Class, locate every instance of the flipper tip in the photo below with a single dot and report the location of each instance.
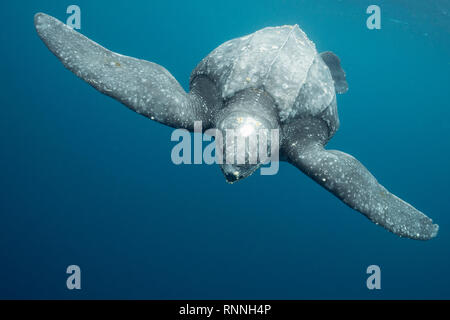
(39, 17)
(434, 231)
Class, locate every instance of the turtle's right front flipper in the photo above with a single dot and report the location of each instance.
(350, 181)
(143, 86)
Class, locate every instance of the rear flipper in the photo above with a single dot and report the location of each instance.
(337, 73)
(350, 181)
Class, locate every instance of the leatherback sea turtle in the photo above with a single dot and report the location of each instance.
(272, 79)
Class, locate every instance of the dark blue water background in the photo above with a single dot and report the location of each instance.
(86, 181)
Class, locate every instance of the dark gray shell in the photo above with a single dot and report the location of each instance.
(284, 62)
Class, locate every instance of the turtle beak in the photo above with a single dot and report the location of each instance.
(234, 173)
(231, 178)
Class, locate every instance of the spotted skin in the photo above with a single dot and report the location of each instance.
(271, 79)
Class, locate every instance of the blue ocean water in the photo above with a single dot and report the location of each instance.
(85, 181)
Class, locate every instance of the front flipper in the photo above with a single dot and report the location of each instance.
(337, 73)
(143, 86)
(350, 181)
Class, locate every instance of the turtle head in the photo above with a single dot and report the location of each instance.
(249, 127)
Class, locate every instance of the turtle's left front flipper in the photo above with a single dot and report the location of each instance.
(351, 182)
(143, 86)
